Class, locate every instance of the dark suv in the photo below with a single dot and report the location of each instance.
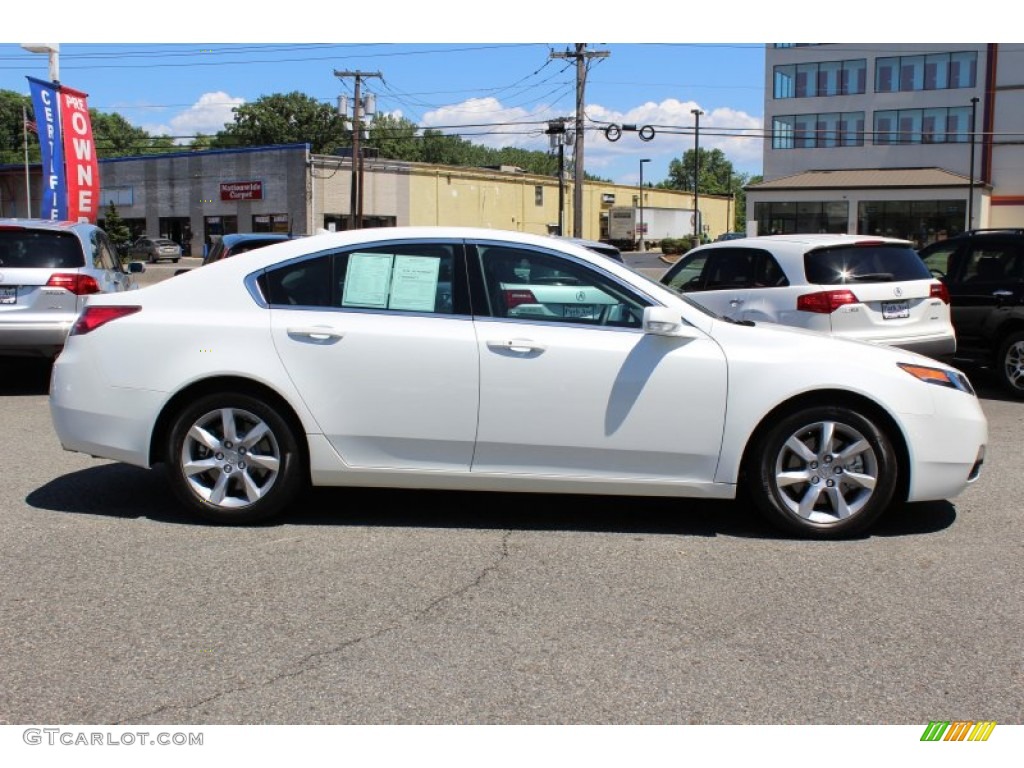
(984, 272)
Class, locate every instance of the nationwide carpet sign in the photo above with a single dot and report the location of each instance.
(71, 178)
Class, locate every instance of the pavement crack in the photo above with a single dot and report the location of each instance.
(314, 659)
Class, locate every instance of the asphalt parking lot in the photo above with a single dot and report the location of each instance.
(396, 607)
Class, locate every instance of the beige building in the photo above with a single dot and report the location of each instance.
(196, 197)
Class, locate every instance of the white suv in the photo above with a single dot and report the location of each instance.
(48, 269)
(873, 289)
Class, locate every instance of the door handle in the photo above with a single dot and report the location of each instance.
(516, 345)
(320, 333)
(735, 302)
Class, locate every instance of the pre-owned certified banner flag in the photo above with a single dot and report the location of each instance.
(45, 98)
(83, 174)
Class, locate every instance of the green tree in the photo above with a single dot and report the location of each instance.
(119, 233)
(116, 137)
(395, 138)
(716, 173)
(286, 118)
(13, 107)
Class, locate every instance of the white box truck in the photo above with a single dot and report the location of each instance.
(658, 224)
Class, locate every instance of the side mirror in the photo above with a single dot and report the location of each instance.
(136, 267)
(665, 321)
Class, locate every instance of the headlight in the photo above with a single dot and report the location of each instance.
(944, 377)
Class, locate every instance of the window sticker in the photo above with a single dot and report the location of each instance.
(414, 283)
(367, 280)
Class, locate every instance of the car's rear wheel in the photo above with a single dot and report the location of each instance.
(234, 459)
(1010, 364)
(824, 472)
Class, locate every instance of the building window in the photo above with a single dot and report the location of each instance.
(117, 196)
(783, 218)
(921, 221)
(941, 125)
(821, 131)
(270, 222)
(538, 195)
(936, 71)
(827, 78)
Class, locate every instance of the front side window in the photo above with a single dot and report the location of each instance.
(103, 253)
(526, 284)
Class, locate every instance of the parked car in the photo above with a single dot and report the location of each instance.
(234, 244)
(983, 271)
(853, 286)
(434, 357)
(605, 249)
(47, 271)
(154, 249)
(731, 236)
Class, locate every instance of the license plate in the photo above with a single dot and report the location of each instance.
(8, 294)
(894, 310)
(579, 311)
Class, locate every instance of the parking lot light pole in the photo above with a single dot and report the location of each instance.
(696, 174)
(643, 233)
(53, 51)
(970, 187)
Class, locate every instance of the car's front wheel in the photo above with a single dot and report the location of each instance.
(234, 459)
(1010, 364)
(824, 472)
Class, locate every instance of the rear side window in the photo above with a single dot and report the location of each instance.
(401, 277)
(864, 264)
(27, 249)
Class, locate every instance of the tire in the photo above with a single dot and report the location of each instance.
(804, 483)
(217, 477)
(1010, 364)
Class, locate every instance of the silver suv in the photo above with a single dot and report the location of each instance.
(861, 287)
(48, 269)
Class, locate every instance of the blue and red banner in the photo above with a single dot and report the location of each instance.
(46, 103)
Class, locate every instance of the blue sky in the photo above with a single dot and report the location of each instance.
(164, 75)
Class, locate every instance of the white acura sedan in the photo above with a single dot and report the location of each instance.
(452, 358)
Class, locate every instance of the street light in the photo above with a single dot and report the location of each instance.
(643, 247)
(53, 50)
(970, 193)
(696, 173)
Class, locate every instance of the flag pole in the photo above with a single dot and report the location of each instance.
(28, 191)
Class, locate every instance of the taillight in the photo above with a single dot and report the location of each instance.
(78, 284)
(825, 302)
(93, 317)
(940, 291)
(514, 298)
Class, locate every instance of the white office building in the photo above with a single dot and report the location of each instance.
(911, 140)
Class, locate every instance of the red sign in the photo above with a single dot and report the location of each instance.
(241, 190)
(83, 174)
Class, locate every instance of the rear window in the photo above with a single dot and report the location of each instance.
(27, 249)
(864, 264)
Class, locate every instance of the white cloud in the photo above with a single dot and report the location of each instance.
(208, 115)
(738, 134)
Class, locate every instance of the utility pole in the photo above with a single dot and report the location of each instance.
(581, 55)
(356, 207)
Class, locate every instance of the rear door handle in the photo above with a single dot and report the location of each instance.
(319, 333)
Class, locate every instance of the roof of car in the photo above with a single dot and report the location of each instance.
(44, 224)
(238, 237)
(808, 240)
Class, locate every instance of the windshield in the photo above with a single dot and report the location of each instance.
(874, 263)
(36, 249)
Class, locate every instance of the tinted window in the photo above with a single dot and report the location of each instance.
(402, 277)
(864, 264)
(29, 249)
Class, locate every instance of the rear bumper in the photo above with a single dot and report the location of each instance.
(34, 338)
